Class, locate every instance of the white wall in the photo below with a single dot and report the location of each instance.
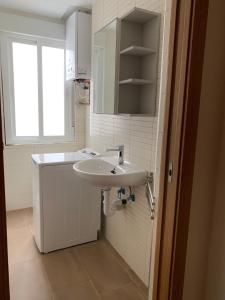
(129, 230)
(205, 265)
(28, 25)
(17, 164)
(17, 159)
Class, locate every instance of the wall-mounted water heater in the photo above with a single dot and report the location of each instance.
(78, 46)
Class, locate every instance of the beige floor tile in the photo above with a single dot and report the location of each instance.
(113, 251)
(142, 288)
(17, 219)
(21, 245)
(28, 281)
(30, 216)
(63, 268)
(103, 268)
(128, 292)
(78, 273)
(82, 291)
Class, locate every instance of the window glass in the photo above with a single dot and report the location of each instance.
(53, 91)
(25, 89)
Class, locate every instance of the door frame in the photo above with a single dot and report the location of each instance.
(4, 272)
(183, 96)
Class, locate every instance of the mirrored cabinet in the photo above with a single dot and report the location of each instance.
(105, 71)
(125, 64)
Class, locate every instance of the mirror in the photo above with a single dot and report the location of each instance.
(104, 69)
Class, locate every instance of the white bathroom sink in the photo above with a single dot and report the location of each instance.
(106, 172)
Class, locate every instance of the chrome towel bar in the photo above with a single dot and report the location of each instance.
(149, 194)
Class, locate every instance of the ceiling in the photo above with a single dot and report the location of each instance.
(57, 9)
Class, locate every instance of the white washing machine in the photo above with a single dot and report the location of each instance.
(66, 209)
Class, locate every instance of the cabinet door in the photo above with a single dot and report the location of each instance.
(105, 68)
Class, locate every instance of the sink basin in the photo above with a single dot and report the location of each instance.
(106, 172)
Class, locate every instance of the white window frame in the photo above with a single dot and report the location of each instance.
(6, 40)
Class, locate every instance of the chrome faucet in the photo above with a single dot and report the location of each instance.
(120, 149)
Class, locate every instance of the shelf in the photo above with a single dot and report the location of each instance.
(138, 62)
(134, 81)
(139, 15)
(137, 50)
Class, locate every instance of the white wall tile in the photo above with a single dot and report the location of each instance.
(97, 15)
(125, 6)
(153, 5)
(110, 10)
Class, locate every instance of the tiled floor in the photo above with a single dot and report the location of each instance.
(91, 271)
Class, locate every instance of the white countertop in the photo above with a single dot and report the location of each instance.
(60, 158)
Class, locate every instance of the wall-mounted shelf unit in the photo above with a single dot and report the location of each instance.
(137, 50)
(125, 64)
(135, 81)
(139, 46)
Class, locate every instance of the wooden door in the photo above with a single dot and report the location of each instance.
(189, 45)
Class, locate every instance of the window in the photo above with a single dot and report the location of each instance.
(35, 107)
